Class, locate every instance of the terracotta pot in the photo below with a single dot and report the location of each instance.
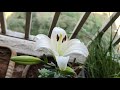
(6, 65)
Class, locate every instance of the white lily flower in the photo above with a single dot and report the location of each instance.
(62, 48)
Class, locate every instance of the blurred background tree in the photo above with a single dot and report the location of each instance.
(41, 22)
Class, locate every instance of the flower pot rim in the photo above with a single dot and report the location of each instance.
(11, 64)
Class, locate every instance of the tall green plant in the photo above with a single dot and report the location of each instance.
(101, 61)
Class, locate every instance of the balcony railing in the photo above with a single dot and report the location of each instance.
(24, 44)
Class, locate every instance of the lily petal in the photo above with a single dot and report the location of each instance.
(76, 49)
(43, 43)
(62, 62)
(57, 31)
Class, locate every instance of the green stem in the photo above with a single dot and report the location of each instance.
(47, 63)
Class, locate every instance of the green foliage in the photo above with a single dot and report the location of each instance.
(68, 20)
(45, 73)
(91, 26)
(16, 22)
(40, 24)
(68, 71)
(26, 60)
(101, 62)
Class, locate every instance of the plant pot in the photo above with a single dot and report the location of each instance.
(31, 71)
(6, 65)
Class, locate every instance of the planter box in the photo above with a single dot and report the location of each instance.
(6, 65)
(31, 71)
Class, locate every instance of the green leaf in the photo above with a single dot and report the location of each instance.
(27, 63)
(45, 73)
(68, 71)
(45, 58)
(26, 60)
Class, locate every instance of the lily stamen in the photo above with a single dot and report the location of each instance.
(57, 37)
(64, 39)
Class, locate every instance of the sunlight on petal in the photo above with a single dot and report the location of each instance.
(42, 41)
(75, 46)
(76, 49)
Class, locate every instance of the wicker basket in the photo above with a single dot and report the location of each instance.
(7, 66)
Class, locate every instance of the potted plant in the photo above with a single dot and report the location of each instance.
(68, 56)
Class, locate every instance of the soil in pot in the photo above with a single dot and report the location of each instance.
(33, 70)
(18, 70)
